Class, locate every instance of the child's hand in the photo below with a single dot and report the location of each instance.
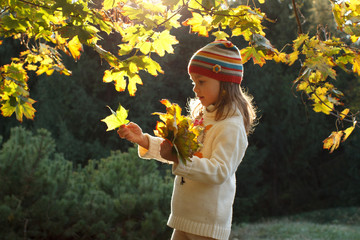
(166, 151)
(133, 133)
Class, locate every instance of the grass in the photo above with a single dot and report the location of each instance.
(333, 224)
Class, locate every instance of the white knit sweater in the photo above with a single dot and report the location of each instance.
(203, 204)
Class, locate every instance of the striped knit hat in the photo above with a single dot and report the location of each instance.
(220, 60)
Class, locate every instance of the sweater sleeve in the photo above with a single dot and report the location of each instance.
(228, 144)
(154, 149)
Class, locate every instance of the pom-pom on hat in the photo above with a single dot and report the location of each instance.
(220, 60)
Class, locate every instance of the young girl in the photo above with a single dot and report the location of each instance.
(204, 189)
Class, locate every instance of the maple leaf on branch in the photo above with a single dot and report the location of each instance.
(333, 141)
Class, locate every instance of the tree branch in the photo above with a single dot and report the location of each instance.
(300, 31)
(168, 19)
(33, 4)
(334, 112)
(4, 10)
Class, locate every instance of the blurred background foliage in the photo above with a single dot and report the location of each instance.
(63, 176)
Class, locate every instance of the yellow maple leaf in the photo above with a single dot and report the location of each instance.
(356, 65)
(348, 131)
(116, 119)
(321, 102)
(20, 107)
(320, 91)
(133, 80)
(250, 52)
(75, 47)
(316, 77)
(117, 77)
(120, 84)
(300, 40)
(333, 141)
(280, 57)
(304, 86)
(198, 24)
(31, 67)
(152, 66)
(27, 109)
(354, 38)
(7, 109)
(49, 71)
(107, 76)
(145, 47)
(220, 35)
(133, 67)
(42, 69)
(163, 43)
(344, 113)
(323, 106)
(292, 57)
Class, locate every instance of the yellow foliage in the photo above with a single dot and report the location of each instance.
(258, 57)
(163, 42)
(145, 28)
(333, 141)
(321, 101)
(180, 130)
(304, 86)
(293, 57)
(344, 113)
(75, 47)
(199, 24)
(348, 131)
(133, 80)
(280, 57)
(356, 65)
(299, 41)
(116, 119)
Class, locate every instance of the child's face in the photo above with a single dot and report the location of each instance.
(206, 89)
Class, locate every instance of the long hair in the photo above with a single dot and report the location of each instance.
(230, 95)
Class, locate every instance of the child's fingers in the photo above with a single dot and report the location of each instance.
(166, 147)
(166, 151)
(122, 131)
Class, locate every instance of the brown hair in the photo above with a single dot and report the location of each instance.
(231, 94)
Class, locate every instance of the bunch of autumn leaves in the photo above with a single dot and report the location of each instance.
(180, 131)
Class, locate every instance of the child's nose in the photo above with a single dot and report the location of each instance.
(195, 89)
